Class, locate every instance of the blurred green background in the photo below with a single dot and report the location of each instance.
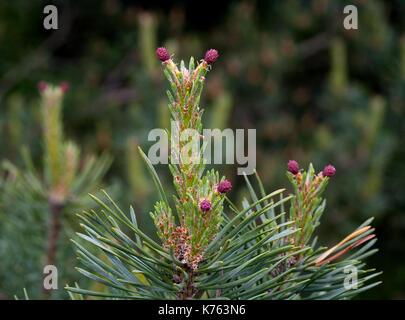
(314, 91)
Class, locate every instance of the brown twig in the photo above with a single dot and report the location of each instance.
(218, 293)
(188, 290)
(53, 235)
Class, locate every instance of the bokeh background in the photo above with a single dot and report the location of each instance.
(314, 91)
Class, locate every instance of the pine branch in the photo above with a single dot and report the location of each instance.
(258, 252)
(45, 195)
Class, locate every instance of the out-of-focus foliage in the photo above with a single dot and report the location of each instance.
(37, 206)
(313, 90)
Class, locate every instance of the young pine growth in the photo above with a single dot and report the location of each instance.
(209, 248)
(40, 200)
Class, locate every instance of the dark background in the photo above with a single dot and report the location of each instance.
(314, 91)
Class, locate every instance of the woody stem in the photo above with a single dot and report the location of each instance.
(52, 242)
